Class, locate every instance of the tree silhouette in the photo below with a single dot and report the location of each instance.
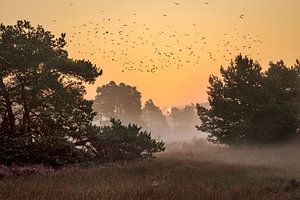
(249, 106)
(184, 119)
(118, 101)
(278, 119)
(41, 96)
(154, 119)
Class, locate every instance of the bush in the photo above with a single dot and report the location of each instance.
(117, 143)
(50, 151)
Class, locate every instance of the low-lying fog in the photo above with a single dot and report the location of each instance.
(285, 156)
(184, 141)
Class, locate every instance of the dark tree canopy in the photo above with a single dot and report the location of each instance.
(123, 143)
(119, 101)
(249, 106)
(154, 119)
(41, 94)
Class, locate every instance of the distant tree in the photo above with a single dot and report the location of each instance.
(154, 119)
(184, 119)
(248, 106)
(118, 101)
(43, 113)
(123, 143)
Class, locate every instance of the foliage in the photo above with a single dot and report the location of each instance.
(43, 112)
(252, 107)
(123, 143)
(118, 101)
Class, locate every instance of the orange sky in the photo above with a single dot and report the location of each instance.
(181, 44)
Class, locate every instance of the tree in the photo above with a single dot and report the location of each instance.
(123, 143)
(278, 121)
(154, 119)
(118, 101)
(43, 111)
(296, 100)
(248, 106)
(184, 119)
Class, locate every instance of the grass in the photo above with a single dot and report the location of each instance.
(167, 177)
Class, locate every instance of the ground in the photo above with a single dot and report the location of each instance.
(169, 176)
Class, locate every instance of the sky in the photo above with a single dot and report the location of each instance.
(167, 49)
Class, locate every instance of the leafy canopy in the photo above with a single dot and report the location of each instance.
(41, 94)
(248, 106)
(123, 143)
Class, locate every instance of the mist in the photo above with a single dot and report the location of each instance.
(176, 127)
(284, 157)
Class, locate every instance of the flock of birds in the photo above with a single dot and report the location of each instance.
(139, 47)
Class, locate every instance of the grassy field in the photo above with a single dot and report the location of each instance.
(170, 176)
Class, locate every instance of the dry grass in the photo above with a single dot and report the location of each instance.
(168, 177)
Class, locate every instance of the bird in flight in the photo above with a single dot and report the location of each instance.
(177, 4)
(242, 16)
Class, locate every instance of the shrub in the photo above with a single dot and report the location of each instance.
(117, 143)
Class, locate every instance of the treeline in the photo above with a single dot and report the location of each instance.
(122, 101)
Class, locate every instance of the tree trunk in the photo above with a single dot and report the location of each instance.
(8, 105)
(25, 128)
